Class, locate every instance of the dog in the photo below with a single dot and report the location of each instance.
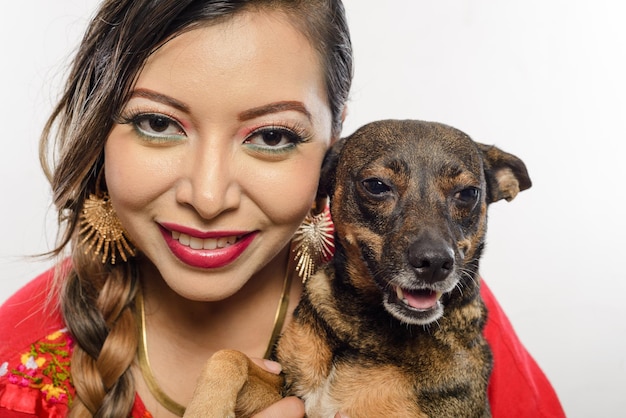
(392, 325)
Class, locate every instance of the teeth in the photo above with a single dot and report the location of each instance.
(196, 243)
(206, 243)
(184, 239)
(399, 293)
(222, 242)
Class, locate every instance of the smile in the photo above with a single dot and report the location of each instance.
(413, 306)
(206, 252)
(204, 243)
(421, 300)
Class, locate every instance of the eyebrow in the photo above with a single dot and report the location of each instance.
(161, 98)
(274, 108)
(255, 112)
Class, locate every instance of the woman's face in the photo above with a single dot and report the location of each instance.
(216, 160)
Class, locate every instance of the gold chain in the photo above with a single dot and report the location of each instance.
(144, 364)
(142, 350)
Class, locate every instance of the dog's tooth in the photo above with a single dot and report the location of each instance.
(399, 293)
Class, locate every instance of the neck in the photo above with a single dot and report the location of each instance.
(243, 321)
(181, 334)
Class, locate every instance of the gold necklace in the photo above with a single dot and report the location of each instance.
(142, 349)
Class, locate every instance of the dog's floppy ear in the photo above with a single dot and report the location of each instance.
(329, 167)
(505, 173)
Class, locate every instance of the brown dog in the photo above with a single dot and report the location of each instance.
(392, 326)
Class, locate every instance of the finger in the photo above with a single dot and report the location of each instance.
(289, 407)
(269, 365)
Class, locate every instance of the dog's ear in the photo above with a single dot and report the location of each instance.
(505, 173)
(329, 167)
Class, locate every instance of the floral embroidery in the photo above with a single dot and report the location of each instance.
(31, 363)
(45, 366)
(53, 394)
(42, 371)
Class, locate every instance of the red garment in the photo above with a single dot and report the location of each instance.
(35, 351)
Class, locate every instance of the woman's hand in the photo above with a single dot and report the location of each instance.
(289, 407)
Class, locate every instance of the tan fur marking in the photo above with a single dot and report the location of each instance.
(309, 357)
(374, 392)
(465, 245)
(362, 233)
(507, 183)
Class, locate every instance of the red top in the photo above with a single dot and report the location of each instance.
(35, 351)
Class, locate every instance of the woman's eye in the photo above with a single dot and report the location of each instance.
(273, 137)
(158, 126)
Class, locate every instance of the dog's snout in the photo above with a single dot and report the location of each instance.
(432, 260)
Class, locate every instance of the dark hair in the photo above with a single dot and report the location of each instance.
(97, 299)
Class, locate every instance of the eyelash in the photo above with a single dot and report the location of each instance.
(135, 118)
(294, 132)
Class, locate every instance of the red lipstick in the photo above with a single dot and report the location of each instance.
(216, 256)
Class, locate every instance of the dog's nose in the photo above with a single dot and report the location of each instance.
(432, 260)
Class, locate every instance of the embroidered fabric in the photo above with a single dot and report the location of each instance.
(35, 355)
(35, 380)
(39, 378)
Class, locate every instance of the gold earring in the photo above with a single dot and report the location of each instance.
(314, 241)
(102, 228)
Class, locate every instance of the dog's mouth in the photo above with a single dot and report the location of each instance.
(414, 306)
(421, 299)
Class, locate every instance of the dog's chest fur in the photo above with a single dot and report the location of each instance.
(362, 366)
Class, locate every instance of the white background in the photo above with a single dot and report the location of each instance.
(542, 79)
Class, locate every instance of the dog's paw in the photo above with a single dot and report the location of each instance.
(232, 385)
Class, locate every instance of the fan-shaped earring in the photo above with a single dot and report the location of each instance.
(313, 241)
(102, 229)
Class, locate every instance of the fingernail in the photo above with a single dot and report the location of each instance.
(272, 366)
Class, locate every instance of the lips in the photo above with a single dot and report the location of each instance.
(206, 250)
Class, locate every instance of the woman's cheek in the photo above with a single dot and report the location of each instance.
(293, 189)
(135, 174)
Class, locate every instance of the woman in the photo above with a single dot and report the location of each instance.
(189, 140)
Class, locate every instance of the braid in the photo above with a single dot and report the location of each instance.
(98, 309)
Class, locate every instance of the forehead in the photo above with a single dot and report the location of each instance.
(399, 145)
(249, 50)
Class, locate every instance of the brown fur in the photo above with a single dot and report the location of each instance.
(409, 201)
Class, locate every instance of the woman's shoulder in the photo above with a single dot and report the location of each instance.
(30, 314)
(35, 352)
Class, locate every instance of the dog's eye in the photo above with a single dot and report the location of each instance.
(468, 195)
(375, 186)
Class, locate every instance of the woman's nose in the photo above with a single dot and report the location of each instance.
(210, 184)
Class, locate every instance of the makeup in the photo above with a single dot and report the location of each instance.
(206, 250)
